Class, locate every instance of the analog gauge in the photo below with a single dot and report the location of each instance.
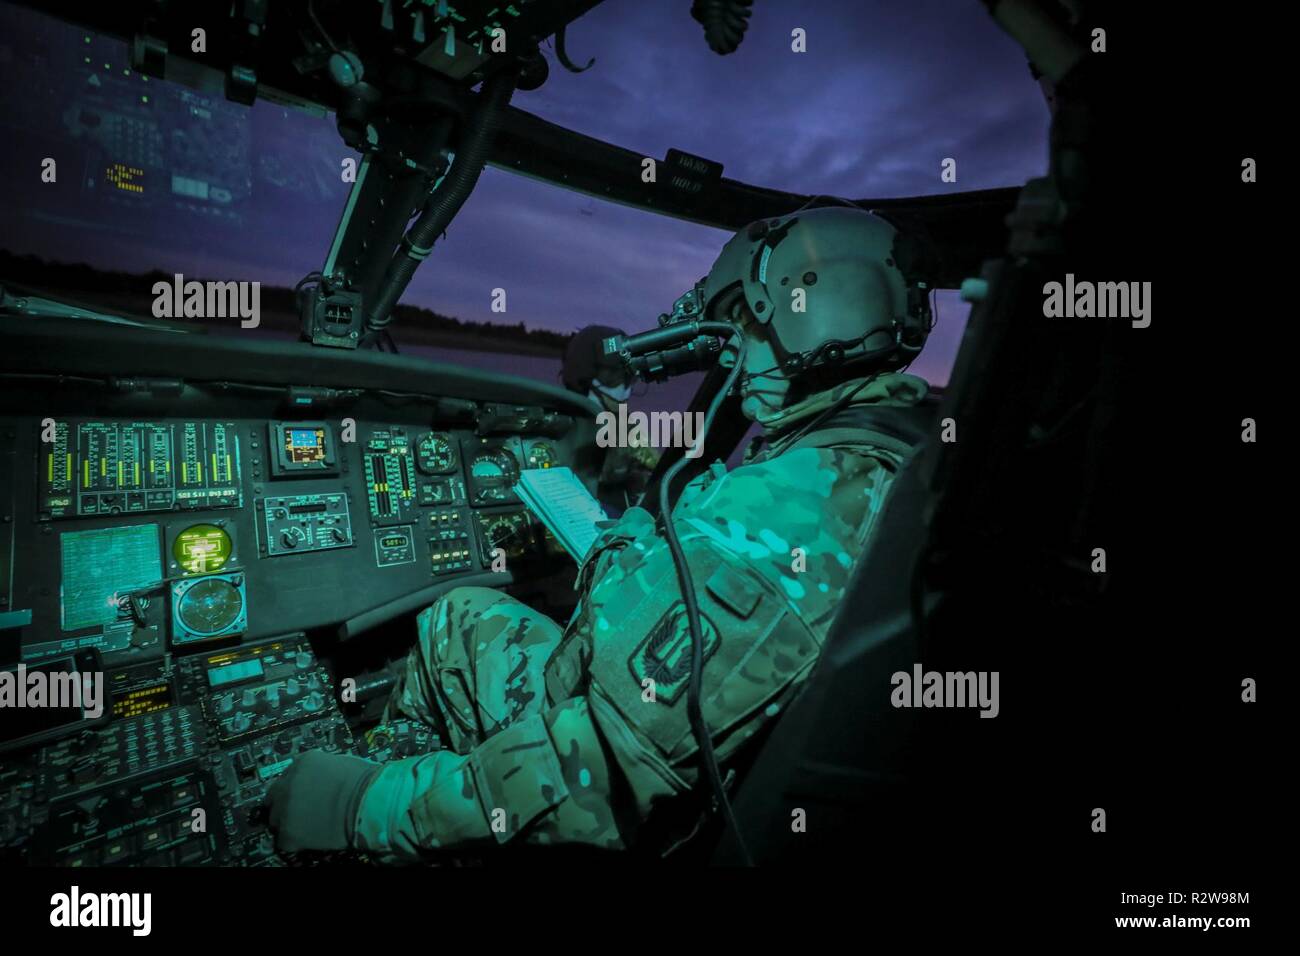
(494, 474)
(542, 454)
(201, 549)
(435, 454)
(210, 606)
(510, 532)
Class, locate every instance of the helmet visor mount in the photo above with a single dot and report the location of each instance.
(739, 305)
(829, 285)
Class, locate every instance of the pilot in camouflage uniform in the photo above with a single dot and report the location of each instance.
(579, 735)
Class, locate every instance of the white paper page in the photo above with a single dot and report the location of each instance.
(564, 505)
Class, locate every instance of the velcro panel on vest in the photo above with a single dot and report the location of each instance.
(754, 646)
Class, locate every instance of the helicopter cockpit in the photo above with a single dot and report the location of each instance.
(235, 532)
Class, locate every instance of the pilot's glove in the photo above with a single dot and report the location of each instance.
(645, 456)
(314, 803)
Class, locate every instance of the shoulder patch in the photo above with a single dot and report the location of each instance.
(665, 655)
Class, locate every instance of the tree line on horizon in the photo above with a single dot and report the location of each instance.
(38, 272)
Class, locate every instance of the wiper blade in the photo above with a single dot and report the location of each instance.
(38, 306)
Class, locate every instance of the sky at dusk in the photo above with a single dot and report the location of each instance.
(883, 94)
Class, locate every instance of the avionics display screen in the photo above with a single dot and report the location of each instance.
(202, 548)
(143, 700)
(305, 444)
(234, 673)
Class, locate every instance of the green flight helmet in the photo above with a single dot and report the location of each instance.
(830, 287)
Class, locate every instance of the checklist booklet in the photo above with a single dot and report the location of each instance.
(564, 505)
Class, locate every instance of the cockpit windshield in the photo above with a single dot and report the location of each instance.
(148, 179)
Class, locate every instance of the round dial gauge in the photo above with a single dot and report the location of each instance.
(494, 468)
(202, 548)
(509, 532)
(435, 454)
(210, 606)
(542, 454)
(494, 474)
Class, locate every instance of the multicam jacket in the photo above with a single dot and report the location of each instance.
(581, 735)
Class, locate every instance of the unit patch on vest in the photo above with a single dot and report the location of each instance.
(665, 655)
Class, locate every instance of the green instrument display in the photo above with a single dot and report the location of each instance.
(202, 549)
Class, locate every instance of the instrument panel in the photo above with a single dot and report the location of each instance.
(142, 530)
(193, 544)
(179, 775)
(186, 562)
(98, 468)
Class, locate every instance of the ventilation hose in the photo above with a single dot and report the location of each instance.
(446, 200)
(725, 22)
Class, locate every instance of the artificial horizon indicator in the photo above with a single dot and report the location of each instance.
(202, 548)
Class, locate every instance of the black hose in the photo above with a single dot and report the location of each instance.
(446, 200)
(563, 56)
(694, 709)
(725, 22)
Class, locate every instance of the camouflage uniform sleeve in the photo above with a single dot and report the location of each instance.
(799, 520)
(547, 779)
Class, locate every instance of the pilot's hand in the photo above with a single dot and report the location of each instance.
(645, 456)
(314, 803)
